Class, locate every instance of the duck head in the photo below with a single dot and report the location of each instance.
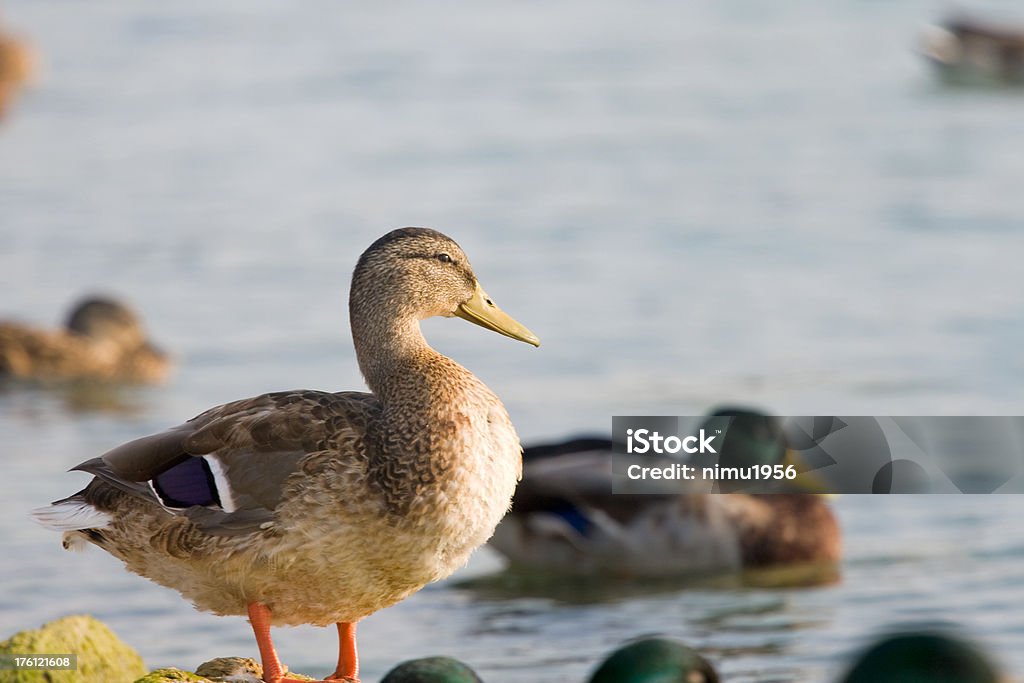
(655, 660)
(411, 274)
(431, 670)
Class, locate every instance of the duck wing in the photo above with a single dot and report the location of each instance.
(229, 468)
(576, 474)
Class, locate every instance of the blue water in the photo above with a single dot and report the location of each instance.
(688, 203)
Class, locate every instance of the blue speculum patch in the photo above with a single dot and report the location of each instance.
(188, 483)
(576, 519)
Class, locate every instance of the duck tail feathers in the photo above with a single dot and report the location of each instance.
(71, 514)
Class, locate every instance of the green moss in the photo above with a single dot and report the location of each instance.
(172, 676)
(102, 656)
(234, 669)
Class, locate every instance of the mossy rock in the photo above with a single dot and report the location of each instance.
(222, 669)
(102, 656)
(172, 676)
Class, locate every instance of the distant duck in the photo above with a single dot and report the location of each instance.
(310, 507)
(102, 340)
(565, 518)
(968, 51)
(17, 65)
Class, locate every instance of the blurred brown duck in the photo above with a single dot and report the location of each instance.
(565, 518)
(17, 65)
(308, 507)
(102, 340)
(972, 51)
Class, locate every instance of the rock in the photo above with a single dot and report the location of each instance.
(232, 670)
(220, 670)
(172, 675)
(102, 656)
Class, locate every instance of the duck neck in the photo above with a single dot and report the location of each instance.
(387, 348)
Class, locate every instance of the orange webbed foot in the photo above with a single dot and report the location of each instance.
(274, 671)
(330, 679)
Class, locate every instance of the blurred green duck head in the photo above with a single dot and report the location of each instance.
(655, 660)
(922, 658)
(431, 670)
(754, 438)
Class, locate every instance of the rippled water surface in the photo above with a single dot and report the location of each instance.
(690, 203)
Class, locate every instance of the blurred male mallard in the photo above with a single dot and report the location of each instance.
(566, 519)
(102, 340)
(308, 507)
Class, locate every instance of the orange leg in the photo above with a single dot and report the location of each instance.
(348, 658)
(273, 671)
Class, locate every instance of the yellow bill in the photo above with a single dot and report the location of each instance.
(807, 481)
(483, 312)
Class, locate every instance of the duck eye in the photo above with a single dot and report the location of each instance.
(444, 258)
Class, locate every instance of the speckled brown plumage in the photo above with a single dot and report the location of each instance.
(103, 340)
(784, 529)
(336, 504)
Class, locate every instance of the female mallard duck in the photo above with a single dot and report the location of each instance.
(308, 507)
(102, 340)
(565, 519)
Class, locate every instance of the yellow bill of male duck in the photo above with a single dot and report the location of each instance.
(257, 506)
